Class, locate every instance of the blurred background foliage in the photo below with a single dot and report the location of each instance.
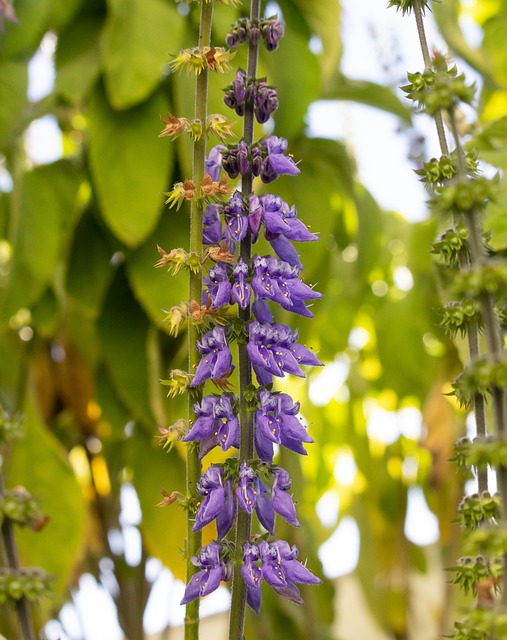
(83, 342)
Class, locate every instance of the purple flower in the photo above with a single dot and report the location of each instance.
(282, 501)
(218, 285)
(265, 101)
(238, 34)
(241, 291)
(236, 223)
(279, 218)
(216, 359)
(273, 350)
(214, 161)
(212, 225)
(216, 424)
(272, 32)
(279, 281)
(281, 570)
(218, 501)
(253, 494)
(276, 422)
(213, 569)
(252, 576)
(276, 162)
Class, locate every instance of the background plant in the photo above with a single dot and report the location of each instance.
(94, 314)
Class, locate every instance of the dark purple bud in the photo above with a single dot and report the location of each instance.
(272, 32)
(254, 215)
(257, 160)
(230, 163)
(265, 102)
(254, 33)
(243, 158)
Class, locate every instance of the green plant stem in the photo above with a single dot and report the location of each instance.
(492, 329)
(421, 32)
(246, 450)
(12, 559)
(479, 406)
(193, 468)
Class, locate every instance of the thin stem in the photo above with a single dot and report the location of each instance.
(11, 555)
(421, 32)
(246, 450)
(492, 330)
(193, 468)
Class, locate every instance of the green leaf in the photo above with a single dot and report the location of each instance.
(48, 211)
(77, 58)
(295, 72)
(138, 37)
(123, 329)
(89, 268)
(130, 165)
(39, 463)
(342, 88)
(163, 529)
(323, 18)
(13, 88)
(154, 288)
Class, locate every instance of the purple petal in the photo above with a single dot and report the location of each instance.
(286, 251)
(193, 589)
(225, 518)
(283, 505)
(213, 581)
(253, 598)
(296, 572)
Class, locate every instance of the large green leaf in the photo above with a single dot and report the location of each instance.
(375, 95)
(13, 88)
(164, 529)
(295, 72)
(48, 212)
(77, 58)
(323, 17)
(138, 37)
(89, 268)
(123, 330)
(39, 463)
(154, 288)
(130, 165)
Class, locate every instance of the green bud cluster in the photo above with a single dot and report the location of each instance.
(463, 196)
(406, 6)
(456, 316)
(438, 170)
(482, 376)
(21, 507)
(31, 584)
(477, 508)
(480, 453)
(472, 570)
(451, 245)
(489, 277)
(438, 88)
(10, 427)
(480, 624)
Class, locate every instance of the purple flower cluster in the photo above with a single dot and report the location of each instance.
(243, 90)
(279, 568)
(255, 486)
(270, 30)
(266, 159)
(219, 498)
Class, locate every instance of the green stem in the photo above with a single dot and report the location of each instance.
(11, 555)
(421, 32)
(246, 450)
(193, 468)
(492, 330)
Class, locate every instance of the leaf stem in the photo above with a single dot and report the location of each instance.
(193, 466)
(246, 451)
